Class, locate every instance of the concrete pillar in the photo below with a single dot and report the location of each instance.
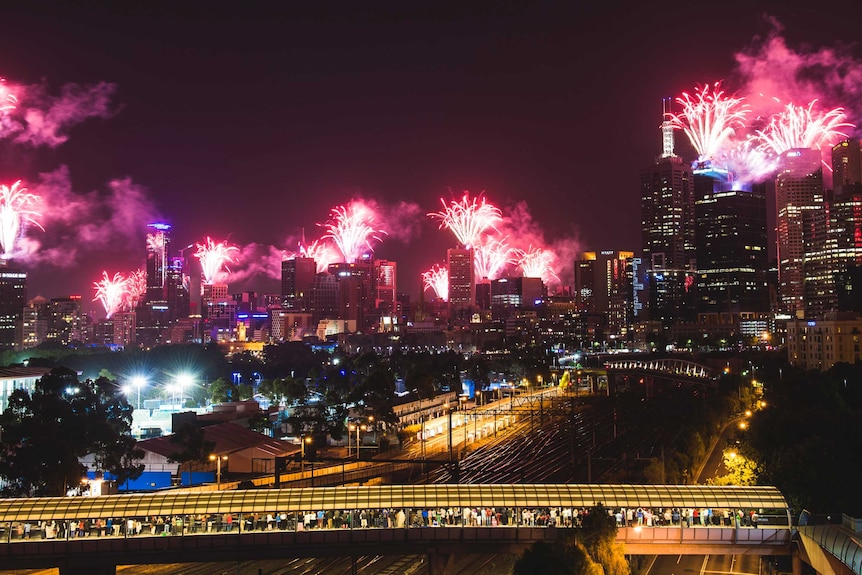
(84, 566)
(441, 563)
(797, 563)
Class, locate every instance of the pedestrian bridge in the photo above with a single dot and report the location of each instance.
(677, 369)
(94, 534)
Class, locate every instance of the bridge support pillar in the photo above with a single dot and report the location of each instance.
(86, 567)
(441, 563)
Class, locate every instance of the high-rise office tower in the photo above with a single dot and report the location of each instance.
(356, 283)
(66, 320)
(13, 298)
(177, 289)
(732, 258)
(324, 297)
(798, 189)
(297, 279)
(603, 285)
(158, 251)
(832, 238)
(35, 323)
(846, 167)
(462, 284)
(668, 233)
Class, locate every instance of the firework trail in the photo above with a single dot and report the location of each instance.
(536, 263)
(802, 127)
(16, 213)
(214, 257)
(156, 243)
(111, 292)
(136, 288)
(467, 219)
(350, 228)
(437, 279)
(321, 252)
(491, 257)
(709, 118)
(8, 101)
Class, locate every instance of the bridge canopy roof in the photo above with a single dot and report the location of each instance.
(391, 496)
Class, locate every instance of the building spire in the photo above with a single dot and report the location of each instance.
(666, 130)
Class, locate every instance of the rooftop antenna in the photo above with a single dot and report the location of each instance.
(666, 130)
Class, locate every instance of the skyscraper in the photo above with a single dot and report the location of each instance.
(732, 252)
(462, 284)
(603, 285)
(158, 251)
(13, 298)
(798, 189)
(297, 279)
(846, 167)
(668, 234)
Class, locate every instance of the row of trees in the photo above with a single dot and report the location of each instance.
(44, 433)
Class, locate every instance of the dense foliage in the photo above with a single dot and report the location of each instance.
(46, 432)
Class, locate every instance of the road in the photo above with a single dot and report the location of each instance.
(702, 565)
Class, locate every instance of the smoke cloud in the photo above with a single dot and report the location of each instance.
(39, 118)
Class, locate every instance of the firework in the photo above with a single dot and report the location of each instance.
(491, 257)
(136, 288)
(16, 213)
(321, 252)
(350, 228)
(111, 292)
(8, 101)
(709, 118)
(748, 162)
(214, 258)
(467, 219)
(802, 127)
(536, 263)
(437, 279)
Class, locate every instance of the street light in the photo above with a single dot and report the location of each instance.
(183, 380)
(305, 439)
(138, 382)
(357, 427)
(218, 459)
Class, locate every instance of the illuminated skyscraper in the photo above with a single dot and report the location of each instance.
(667, 234)
(798, 189)
(13, 298)
(603, 286)
(732, 258)
(846, 167)
(462, 284)
(158, 251)
(297, 279)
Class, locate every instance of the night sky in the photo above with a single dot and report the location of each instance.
(242, 121)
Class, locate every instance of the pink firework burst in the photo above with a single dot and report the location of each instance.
(8, 101)
(709, 118)
(321, 252)
(136, 288)
(802, 127)
(214, 258)
(537, 263)
(491, 257)
(111, 291)
(351, 229)
(468, 219)
(748, 162)
(16, 213)
(437, 279)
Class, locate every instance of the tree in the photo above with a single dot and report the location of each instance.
(46, 433)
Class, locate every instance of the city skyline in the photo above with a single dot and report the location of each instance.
(256, 139)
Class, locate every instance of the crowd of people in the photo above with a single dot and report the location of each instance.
(566, 517)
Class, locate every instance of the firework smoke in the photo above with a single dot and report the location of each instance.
(351, 229)
(112, 292)
(468, 219)
(214, 258)
(437, 279)
(41, 119)
(16, 213)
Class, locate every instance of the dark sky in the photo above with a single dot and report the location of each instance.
(243, 120)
